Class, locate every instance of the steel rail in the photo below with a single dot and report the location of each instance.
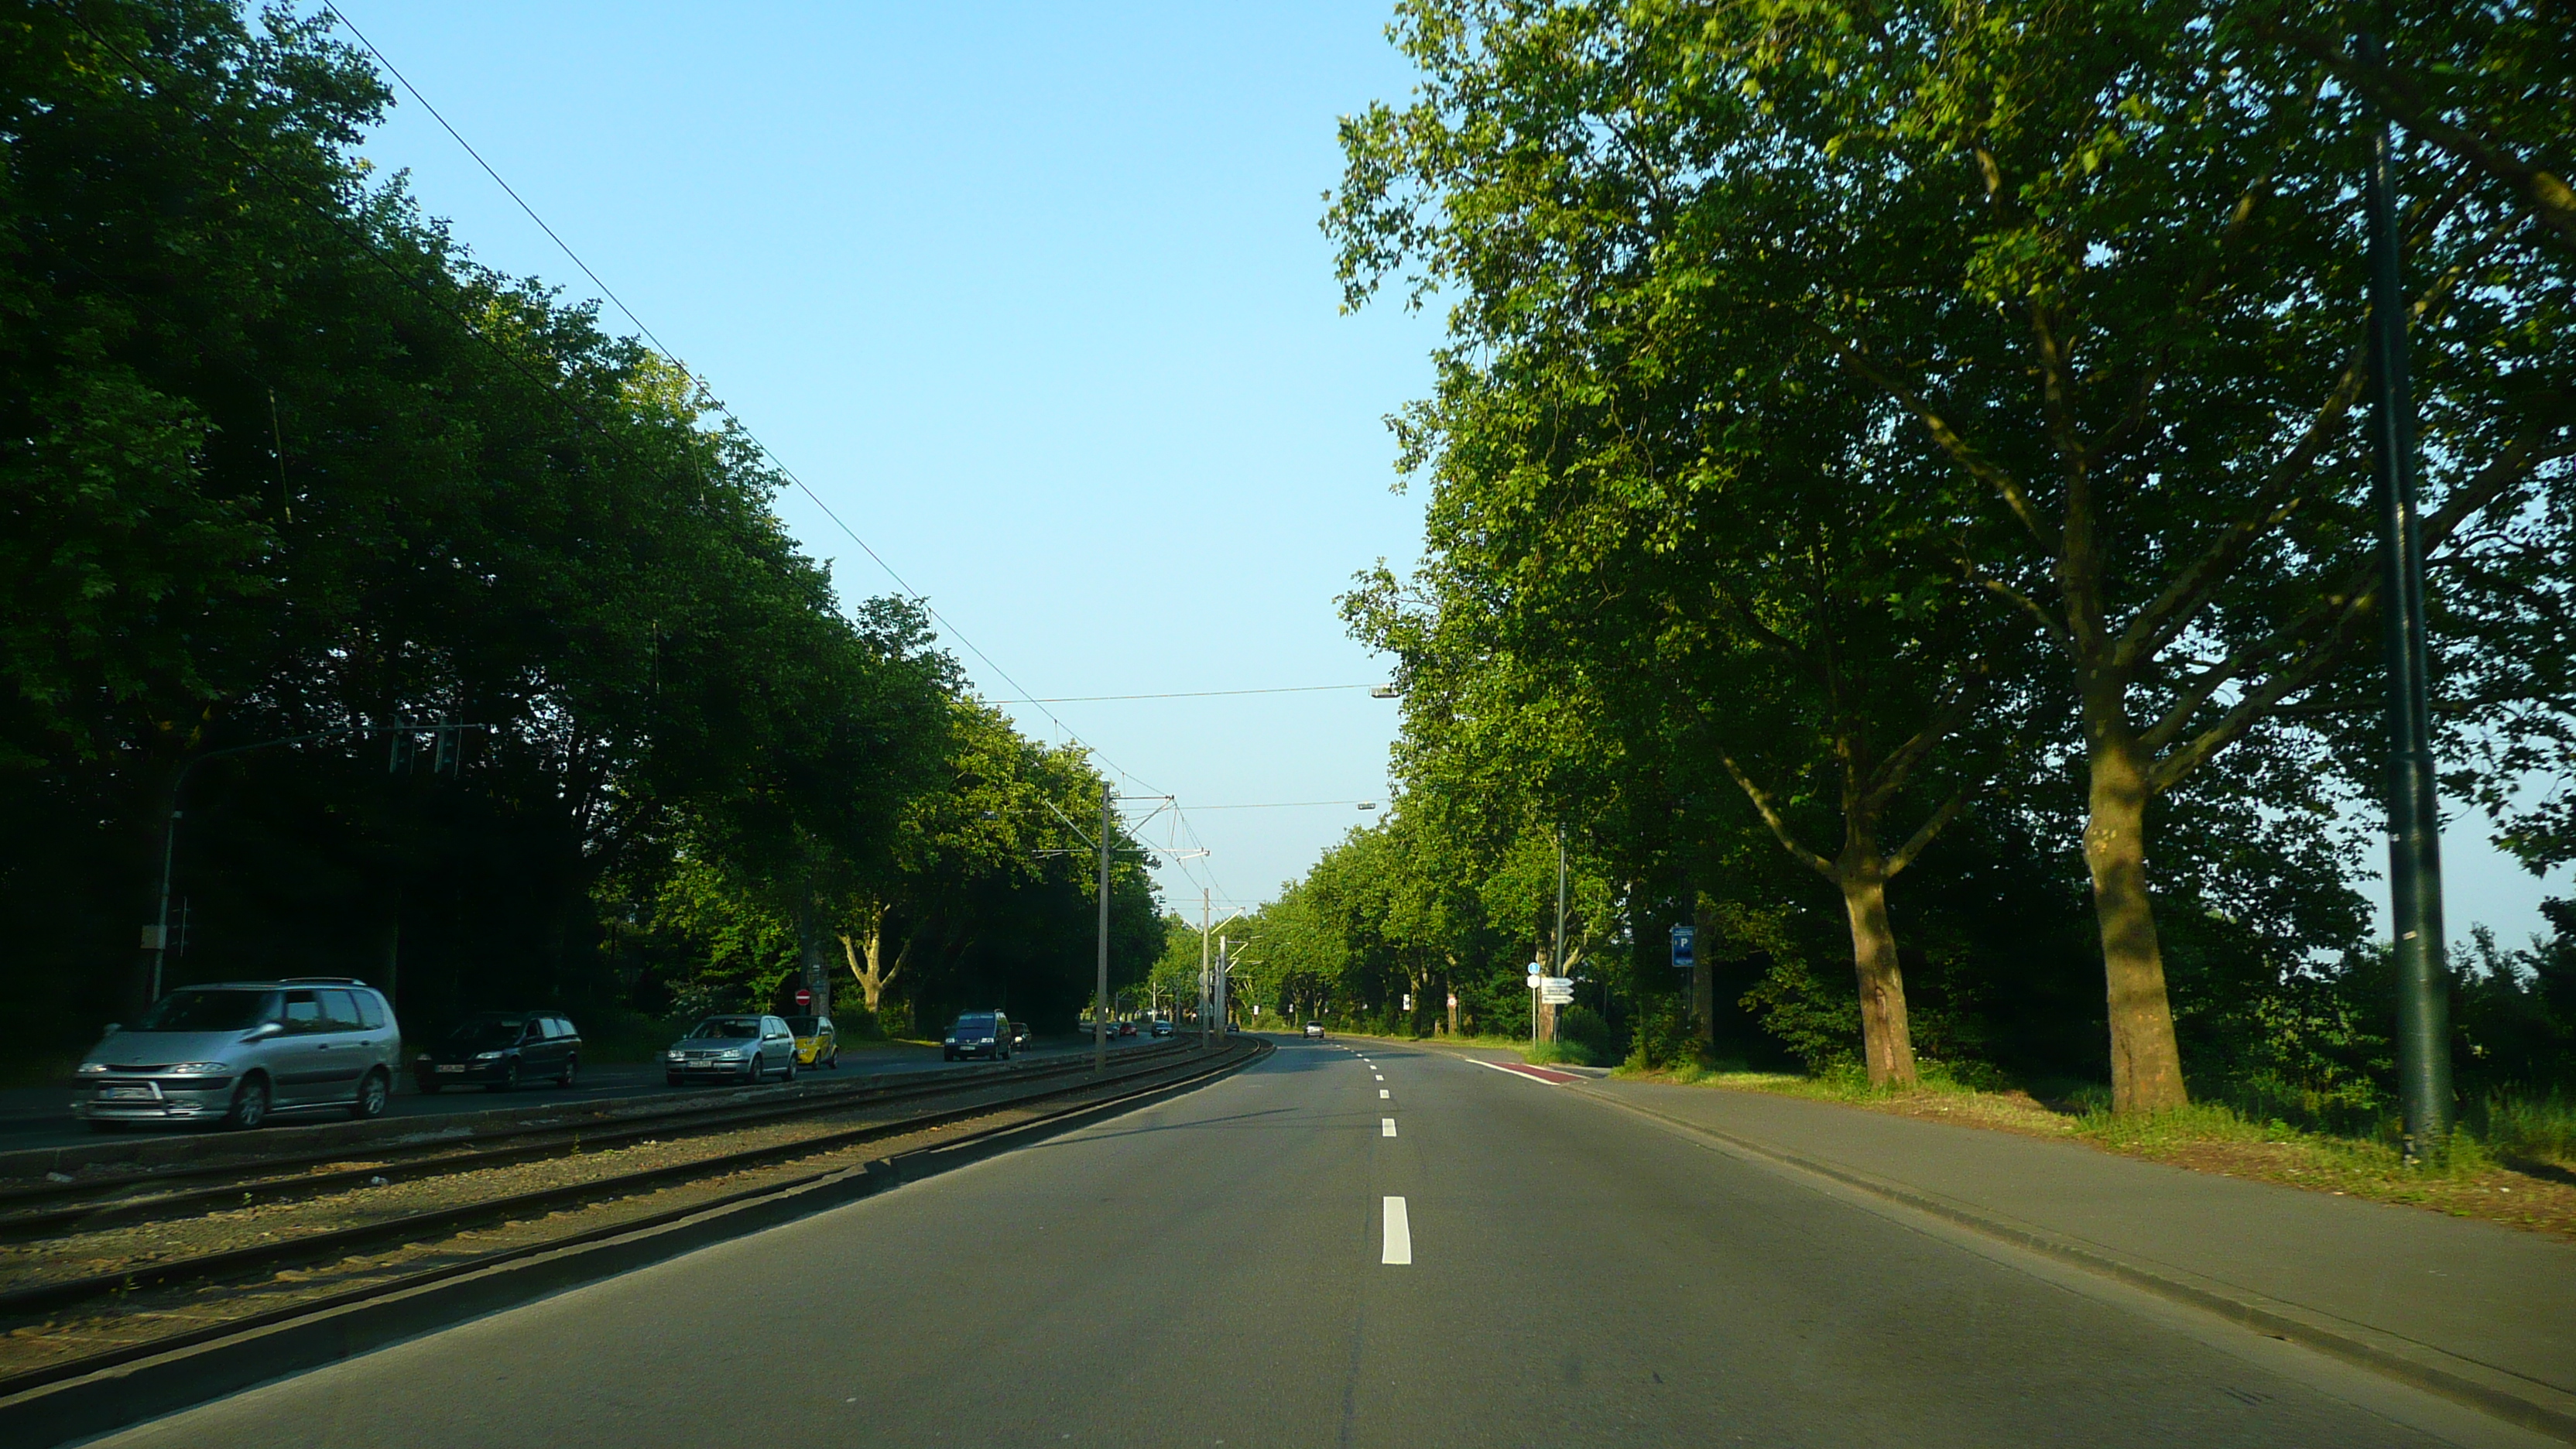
(47, 1297)
(268, 1180)
(36, 1378)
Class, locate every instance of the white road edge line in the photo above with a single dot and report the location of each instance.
(1509, 1072)
(1385, 1126)
(1399, 1235)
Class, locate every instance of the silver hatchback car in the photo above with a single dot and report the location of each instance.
(237, 1051)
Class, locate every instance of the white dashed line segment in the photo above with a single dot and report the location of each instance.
(1385, 1126)
(1399, 1235)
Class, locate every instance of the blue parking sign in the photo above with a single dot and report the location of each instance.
(1685, 943)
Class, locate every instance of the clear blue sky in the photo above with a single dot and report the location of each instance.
(1033, 297)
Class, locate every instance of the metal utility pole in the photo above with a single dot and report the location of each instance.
(1100, 997)
(1222, 955)
(1207, 983)
(2414, 807)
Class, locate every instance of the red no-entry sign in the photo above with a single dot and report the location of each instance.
(804, 998)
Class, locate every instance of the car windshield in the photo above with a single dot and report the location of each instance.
(488, 1031)
(199, 1010)
(729, 1028)
(966, 1024)
(804, 1025)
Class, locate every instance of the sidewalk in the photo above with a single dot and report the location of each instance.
(2472, 1310)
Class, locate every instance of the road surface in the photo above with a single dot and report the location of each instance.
(1410, 1250)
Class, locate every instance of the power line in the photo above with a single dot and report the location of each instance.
(1185, 694)
(1283, 804)
(668, 355)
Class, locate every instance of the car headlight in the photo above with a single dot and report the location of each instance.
(489, 1056)
(675, 1056)
(197, 1069)
(739, 1053)
(92, 1069)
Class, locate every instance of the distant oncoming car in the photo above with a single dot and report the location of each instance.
(978, 1034)
(818, 1042)
(1019, 1036)
(1162, 1028)
(1314, 1031)
(1126, 1028)
(732, 1049)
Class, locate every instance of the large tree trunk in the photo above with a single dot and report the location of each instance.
(1887, 1038)
(864, 948)
(2146, 1062)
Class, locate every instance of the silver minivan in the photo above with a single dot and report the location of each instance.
(237, 1051)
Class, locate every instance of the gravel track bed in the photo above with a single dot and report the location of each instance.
(145, 1315)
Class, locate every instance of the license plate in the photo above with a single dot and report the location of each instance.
(451, 1067)
(127, 1094)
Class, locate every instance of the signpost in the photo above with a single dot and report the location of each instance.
(1556, 990)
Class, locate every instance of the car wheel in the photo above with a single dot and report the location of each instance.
(835, 1062)
(509, 1079)
(250, 1104)
(789, 1073)
(572, 1069)
(373, 1095)
(759, 1072)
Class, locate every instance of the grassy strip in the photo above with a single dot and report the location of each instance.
(2515, 1165)
(1537, 1054)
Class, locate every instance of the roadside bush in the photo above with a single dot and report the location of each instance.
(1582, 1026)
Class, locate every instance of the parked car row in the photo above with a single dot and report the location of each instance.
(241, 1052)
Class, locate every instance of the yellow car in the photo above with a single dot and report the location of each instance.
(817, 1044)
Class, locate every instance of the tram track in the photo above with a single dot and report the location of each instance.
(45, 1209)
(74, 1396)
(980, 1097)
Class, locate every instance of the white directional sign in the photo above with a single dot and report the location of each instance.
(1556, 990)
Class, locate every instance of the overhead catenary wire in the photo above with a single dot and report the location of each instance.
(915, 595)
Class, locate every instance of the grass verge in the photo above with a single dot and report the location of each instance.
(2515, 1163)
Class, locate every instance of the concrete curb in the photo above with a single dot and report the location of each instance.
(2516, 1400)
(127, 1394)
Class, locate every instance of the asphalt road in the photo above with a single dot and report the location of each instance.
(41, 1117)
(1226, 1269)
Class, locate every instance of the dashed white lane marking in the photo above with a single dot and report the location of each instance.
(1381, 1076)
(1386, 1126)
(1381, 1094)
(1399, 1234)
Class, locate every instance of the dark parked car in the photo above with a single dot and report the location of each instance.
(496, 1050)
(978, 1034)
